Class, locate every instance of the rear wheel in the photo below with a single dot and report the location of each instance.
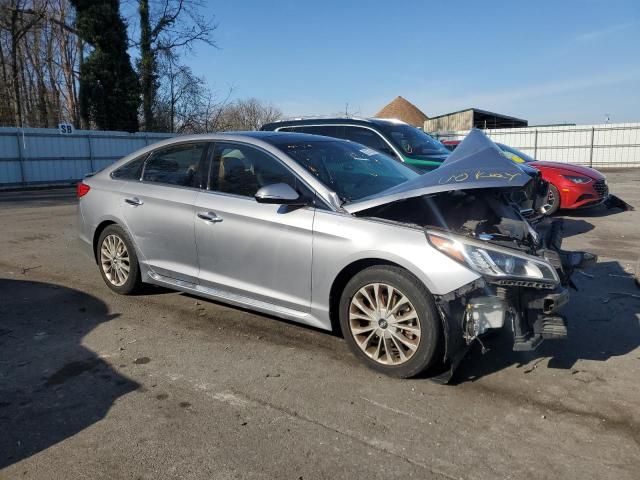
(118, 261)
(389, 320)
(553, 201)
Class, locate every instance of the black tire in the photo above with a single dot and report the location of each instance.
(430, 341)
(554, 195)
(133, 281)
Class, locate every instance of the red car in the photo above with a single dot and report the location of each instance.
(570, 186)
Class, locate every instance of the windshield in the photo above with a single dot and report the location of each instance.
(351, 170)
(515, 155)
(413, 142)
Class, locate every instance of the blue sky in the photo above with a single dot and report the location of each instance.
(546, 61)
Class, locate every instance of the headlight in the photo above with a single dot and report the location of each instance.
(492, 261)
(577, 178)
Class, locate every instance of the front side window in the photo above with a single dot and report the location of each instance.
(130, 170)
(175, 165)
(369, 138)
(243, 170)
(413, 142)
(351, 170)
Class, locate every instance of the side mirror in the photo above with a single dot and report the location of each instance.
(280, 194)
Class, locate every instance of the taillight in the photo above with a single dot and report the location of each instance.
(82, 189)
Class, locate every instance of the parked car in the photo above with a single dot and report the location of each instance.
(329, 233)
(399, 140)
(570, 186)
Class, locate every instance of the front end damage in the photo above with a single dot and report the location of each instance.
(477, 220)
(525, 272)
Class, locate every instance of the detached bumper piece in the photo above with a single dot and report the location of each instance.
(538, 319)
(613, 201)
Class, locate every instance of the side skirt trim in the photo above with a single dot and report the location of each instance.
(234, 299)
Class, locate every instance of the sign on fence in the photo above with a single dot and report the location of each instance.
(65, 128)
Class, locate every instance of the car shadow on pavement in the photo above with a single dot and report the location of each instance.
(602, 324)
(571, 227)
(51, 386)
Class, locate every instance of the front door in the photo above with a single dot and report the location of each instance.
(260, 252)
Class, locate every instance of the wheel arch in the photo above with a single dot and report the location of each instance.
(96, 235)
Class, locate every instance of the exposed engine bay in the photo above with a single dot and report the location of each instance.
(527, 301)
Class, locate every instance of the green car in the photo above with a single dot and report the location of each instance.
(399, 140)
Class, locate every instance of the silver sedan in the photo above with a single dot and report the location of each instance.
(331, 234)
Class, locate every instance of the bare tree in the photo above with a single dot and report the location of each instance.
(185, 103)
(167, 28)
(38, 63)
(248, 114)
(15, 24)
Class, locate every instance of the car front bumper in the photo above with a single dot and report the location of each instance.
(573, 196)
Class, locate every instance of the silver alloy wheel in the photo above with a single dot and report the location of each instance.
(114, 258)
(384, 324)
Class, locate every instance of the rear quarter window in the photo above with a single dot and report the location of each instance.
(130, 170)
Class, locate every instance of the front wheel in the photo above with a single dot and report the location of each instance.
(553, 201)
(389, 320)
(118, 261)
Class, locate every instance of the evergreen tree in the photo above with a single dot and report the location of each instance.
(109, 89)
(147, 66)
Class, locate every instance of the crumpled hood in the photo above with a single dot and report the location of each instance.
(568, 168)
(476, 163)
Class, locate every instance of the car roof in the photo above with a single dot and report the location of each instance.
(270, 137)
(278, 138)
(333, 121)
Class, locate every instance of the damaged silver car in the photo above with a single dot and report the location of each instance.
(411, 268)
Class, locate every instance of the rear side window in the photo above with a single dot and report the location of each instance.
(131, 170)
(326, 130)
(368, 138)
(290, 129)
(175, 165)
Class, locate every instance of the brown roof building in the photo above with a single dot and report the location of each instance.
(404, 110)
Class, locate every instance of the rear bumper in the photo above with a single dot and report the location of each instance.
(85, 247)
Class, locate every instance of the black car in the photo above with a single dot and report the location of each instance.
(397, 139)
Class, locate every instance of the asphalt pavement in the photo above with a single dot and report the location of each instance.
(164, 385)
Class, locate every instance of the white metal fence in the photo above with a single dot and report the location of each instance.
(599, 146)
(42, 156)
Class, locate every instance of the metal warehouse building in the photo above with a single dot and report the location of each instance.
(471, 118)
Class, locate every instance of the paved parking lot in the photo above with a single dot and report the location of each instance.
(164, 385)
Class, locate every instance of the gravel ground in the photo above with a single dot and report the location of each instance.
(165, 385)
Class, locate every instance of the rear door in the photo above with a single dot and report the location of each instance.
(159, 209)
(260, 252)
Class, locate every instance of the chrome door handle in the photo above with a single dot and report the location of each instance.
(209, 217)
(135, 201)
